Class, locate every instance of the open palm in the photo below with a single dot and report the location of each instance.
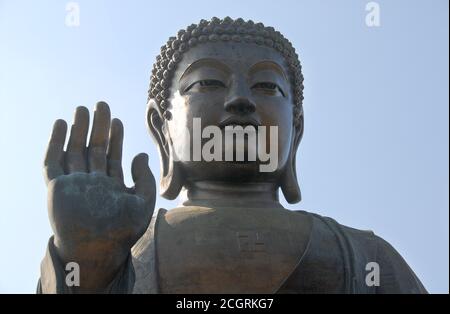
(93, 214)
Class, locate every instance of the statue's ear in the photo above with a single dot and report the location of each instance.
(171, 178)
(289, 181)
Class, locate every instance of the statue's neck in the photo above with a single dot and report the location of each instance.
(231, 194)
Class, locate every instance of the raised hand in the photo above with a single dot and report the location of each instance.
(96, 219)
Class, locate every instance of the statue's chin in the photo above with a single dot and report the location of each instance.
(230, 171)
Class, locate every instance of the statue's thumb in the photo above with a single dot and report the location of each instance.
(143, 178)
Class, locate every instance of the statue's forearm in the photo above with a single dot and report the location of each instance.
(60, 277)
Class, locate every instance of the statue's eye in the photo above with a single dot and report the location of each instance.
(205, 85)
(269, 88)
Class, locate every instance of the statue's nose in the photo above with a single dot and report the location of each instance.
(240, 101)
(240, 105)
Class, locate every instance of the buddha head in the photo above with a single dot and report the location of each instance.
(226, 72)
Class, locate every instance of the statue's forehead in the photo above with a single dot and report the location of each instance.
(236, 55)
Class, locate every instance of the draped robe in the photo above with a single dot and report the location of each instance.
(207, 250)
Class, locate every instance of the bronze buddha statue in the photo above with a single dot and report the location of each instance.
(231, 234)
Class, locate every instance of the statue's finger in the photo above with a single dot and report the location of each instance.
(75, 156)
(53, 161)
(114, 154)
(99, 138)
(143, 178)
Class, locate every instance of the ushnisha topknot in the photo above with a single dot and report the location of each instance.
(224, 30)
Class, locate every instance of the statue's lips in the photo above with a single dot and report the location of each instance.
(240, 121)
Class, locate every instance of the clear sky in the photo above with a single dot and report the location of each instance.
(375, 151)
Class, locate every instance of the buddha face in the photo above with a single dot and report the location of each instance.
(228, 84)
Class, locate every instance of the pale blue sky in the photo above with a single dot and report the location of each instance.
(375, 149)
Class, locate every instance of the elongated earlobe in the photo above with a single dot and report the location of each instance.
(289, 182)
(171, 180)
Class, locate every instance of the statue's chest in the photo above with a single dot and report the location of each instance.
(217, 252)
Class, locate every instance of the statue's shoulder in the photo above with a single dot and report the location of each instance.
(361, 250)
(348, 240)
(332, 228)
(354, 241)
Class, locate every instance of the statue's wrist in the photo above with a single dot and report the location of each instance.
(97, 265)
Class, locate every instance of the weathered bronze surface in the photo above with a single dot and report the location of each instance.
(231, 235)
